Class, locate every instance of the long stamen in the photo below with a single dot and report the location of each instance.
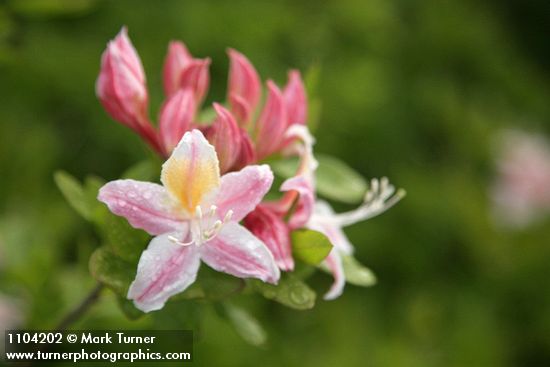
(178, 242)
(228, 216)
(379, 198)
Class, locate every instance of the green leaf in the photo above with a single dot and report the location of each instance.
(123, 240)
(111, 270)
(73, 192)
(245, 324)
(290, 291)
(310, 246)
(145, 170)
(356, 273)
(335, 179)
(213, 286)
(127, 307)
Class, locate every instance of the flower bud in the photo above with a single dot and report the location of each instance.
(271, 125)
(269, 227)
(175, 119)
(121, 88)
(244, 88)
(182, 71)
(121, 85)
(224, 134)
(295, 98)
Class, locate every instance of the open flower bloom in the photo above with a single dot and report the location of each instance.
(378, 199)
(521, 193)
(195, 215)
(268, 222)
(306, 211)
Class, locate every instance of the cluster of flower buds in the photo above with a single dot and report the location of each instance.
(211, 182)
(242, 134)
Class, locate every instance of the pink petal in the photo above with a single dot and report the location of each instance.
(247, 154)
(242, 191)
(225, 135)
(271, 125)
(192, 173)
(334, 263)
(165, 269)
(176, 117)
(241, 109)
(306, 200)
(295, 99)
(244, 84)
(321, 222)
(177, 58)
(273, 231)
(238, 252)
(196, 78)
(145, 205)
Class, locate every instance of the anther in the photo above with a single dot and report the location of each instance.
(228, 216)
(198, 212)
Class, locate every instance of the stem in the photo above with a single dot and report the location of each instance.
(81, 309)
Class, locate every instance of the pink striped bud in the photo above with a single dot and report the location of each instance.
(295, 97)
(121, 87)
(175, 119)
(269, 227)
(224, 134)
(244, 88)
(182, 71)
(271, 125)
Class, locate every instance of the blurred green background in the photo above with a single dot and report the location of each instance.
(414, 90)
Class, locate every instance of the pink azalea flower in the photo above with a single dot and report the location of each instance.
(195, 215)
(378, 199)
(306, 211)
(521, 193)
(267, 220)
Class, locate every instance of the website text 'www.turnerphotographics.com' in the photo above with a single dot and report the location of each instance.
(98, 346)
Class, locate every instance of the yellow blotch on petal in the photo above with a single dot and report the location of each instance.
(189, 181)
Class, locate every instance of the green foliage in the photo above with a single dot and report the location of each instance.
(127, 307)
(51, 8)
(335, 179)
(146, 170)
(290, 291)
(310, 246)
(244, 324)
(74, 194)
(357, 273)
(111, 270)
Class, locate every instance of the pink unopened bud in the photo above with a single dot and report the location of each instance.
(182, 71)
(271, 125)
(225, 136)
(121, 82)
(248, 154)
(295, 99)
(121, 87)
(244, 86)
(273, 231)
(175, 119)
